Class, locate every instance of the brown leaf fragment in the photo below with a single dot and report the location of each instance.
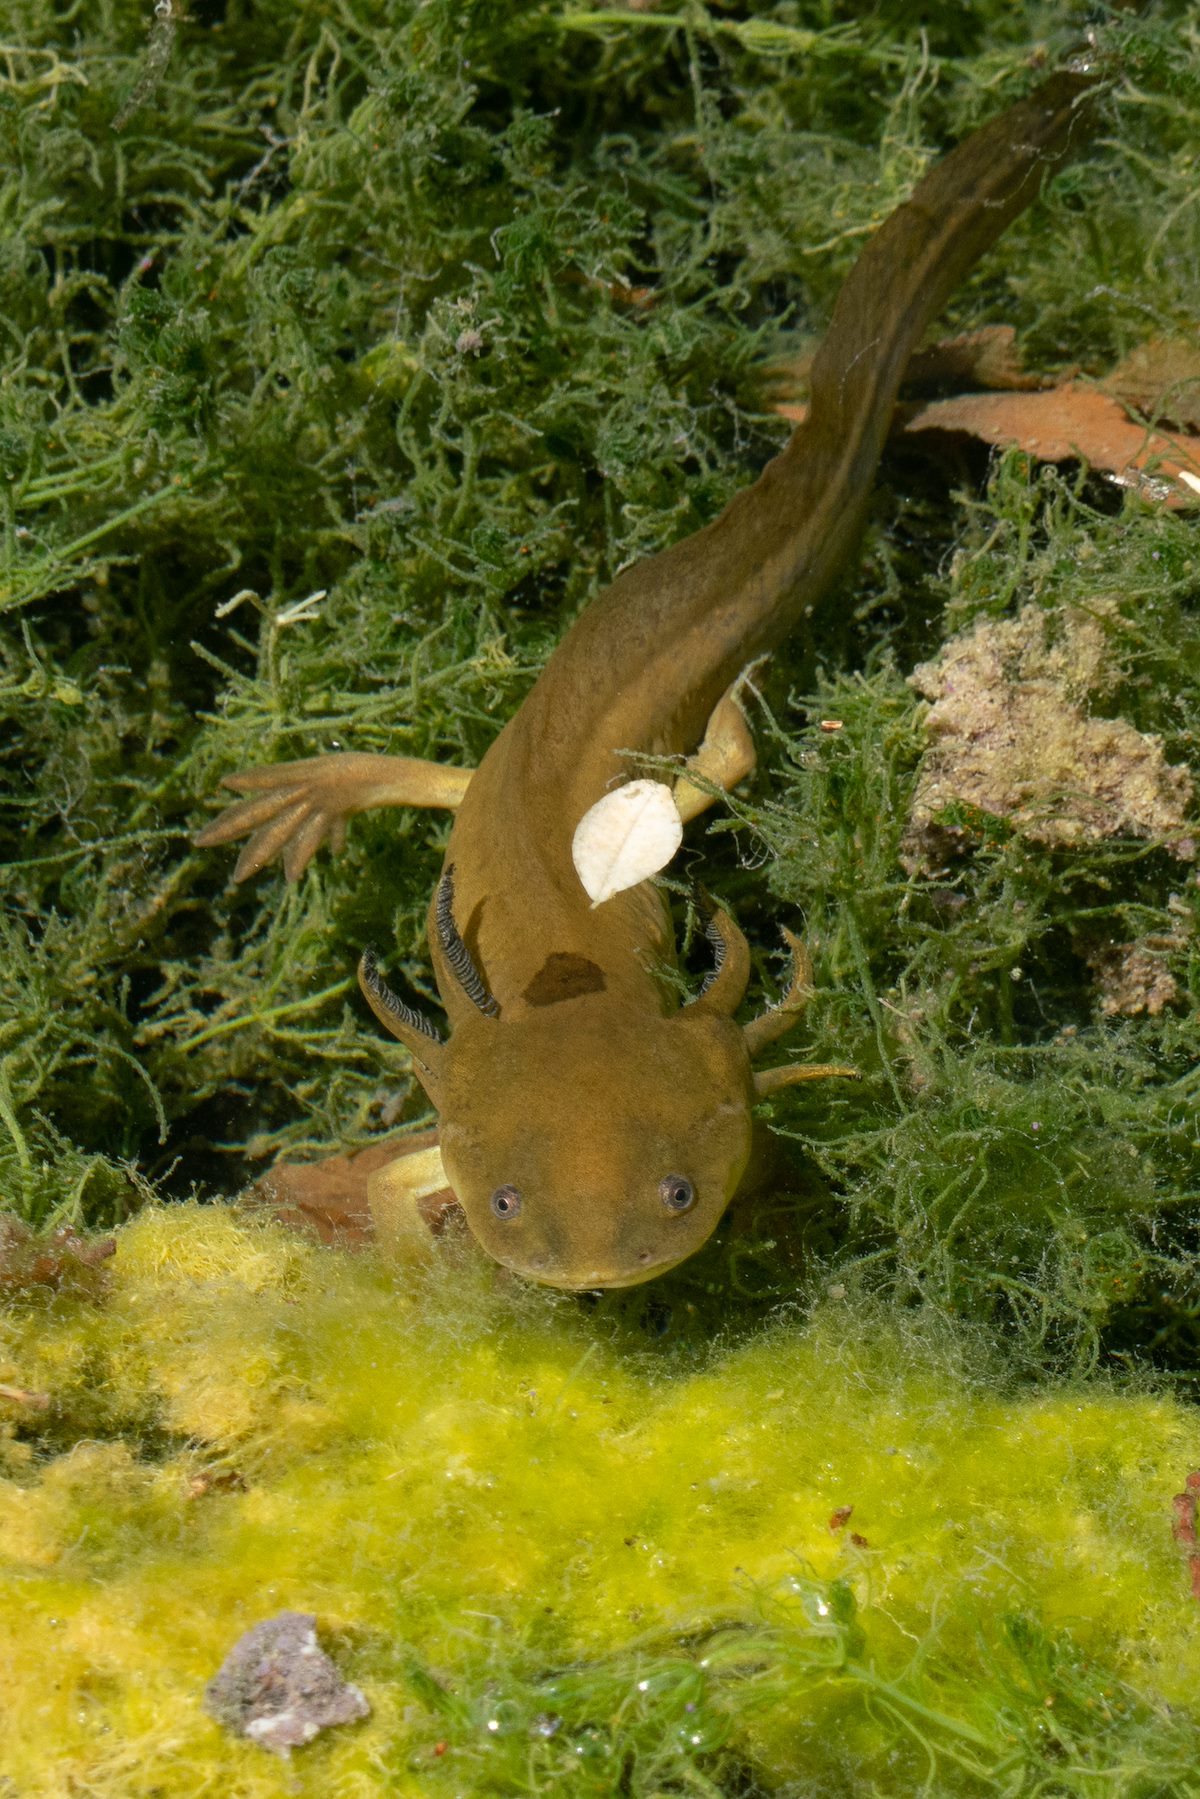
(1135, 977)
(619, 291)
(1064, 420)
(61, 1258)
(279, 1688)
(1183, 1527)
(784, 382)
(1011, 739)
(34, 1402)
(214, 1480)
(1070, 423)
(1161, 379)
(985, 358)
(328, 1197)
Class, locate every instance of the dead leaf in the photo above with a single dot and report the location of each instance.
(1066, 420)
(1074, 422)
(61, 1258)
(986, 358)
(215, 1480)
(1161, 378)
(619, 291)
(34, 1402)
(625, 838)
(330, 1196)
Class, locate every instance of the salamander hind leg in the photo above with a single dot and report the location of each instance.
(781, 1018)
(294, 807)
(725, 757)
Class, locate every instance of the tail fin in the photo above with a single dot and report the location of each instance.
(649, 658)
(810, 503)
(919, 256)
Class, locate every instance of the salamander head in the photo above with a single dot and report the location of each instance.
(595, 1150)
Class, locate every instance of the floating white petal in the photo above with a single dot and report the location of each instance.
(626, 837)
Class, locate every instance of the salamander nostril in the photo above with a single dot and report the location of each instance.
(643, 1255)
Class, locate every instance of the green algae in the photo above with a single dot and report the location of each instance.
(552, 1559)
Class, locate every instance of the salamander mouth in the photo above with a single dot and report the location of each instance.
(594, 1280)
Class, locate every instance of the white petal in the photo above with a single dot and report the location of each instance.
(625, 837)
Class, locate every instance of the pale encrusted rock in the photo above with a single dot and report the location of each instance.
(279, 1688)
(1011, 738)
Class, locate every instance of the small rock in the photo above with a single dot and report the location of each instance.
(279, 1688)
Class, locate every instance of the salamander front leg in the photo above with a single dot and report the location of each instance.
(779, 1019)
(295, 806)
(406, 1198)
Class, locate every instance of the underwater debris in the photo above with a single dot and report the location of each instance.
(1135, 977)
(22, 1396)
(155, 62)
(1070, 423)
(328, 1196)
(63, 1257)
(1183, 1528)
(1011, 739)
(1161, 377)
(987, 357)
(1054, 419)
(279, 1688)
(215, 1480)
(627, 836)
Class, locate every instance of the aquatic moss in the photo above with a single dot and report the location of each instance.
(440, 315)
(1028, 1161)
(554, 1561)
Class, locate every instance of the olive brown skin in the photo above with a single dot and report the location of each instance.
(591, 1128)
(601, 1189)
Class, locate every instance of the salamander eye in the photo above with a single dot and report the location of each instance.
(677, 1193)
(506, 1202)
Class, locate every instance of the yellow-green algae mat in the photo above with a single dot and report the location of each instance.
(556, 1563)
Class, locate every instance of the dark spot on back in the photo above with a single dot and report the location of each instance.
(563, 976)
